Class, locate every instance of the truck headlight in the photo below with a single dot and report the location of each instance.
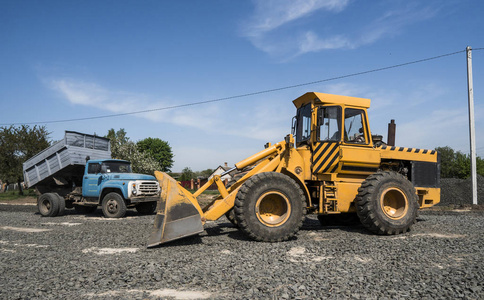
(134, 191)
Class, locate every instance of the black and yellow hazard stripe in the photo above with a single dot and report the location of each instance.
(409, 150)
(325, 157)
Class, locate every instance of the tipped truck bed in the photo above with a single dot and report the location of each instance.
(65, 157)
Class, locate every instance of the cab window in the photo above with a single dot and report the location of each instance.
(93, 168)
(303, 132)
(329, 123)
(354, 126)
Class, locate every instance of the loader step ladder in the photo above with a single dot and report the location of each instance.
(328, 200)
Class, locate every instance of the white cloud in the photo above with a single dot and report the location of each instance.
(392, 22)
(310, 42)
(438, 128)
(272, 14)
(273, 27)
(219, 118)
(93, 95)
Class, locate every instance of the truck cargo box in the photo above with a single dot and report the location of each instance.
(65, 156)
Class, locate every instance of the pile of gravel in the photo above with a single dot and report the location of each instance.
(459, 191)
(91, 257)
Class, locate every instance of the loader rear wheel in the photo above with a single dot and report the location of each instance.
(270, 207)
(387, 203)
(113, 206)
(48, 205)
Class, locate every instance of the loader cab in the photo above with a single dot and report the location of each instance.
(328, 125)
(331, 118)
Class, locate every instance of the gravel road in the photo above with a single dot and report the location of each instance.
(90, 257)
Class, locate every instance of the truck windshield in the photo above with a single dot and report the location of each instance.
(115, 167)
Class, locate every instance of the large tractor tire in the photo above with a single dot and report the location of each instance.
(270, 207)
(230, 215)
(113, 206)
(387, 203)
(48, 204)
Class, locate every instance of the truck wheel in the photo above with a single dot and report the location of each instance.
(146, 208)
(62, 204)
(48, 205)
(84, 210)
(270, 207)
(114, 206)
(387, 203)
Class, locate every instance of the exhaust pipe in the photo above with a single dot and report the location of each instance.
(392, 128)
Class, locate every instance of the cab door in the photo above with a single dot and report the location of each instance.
(91, 181)
(326, 143)
(357, 153)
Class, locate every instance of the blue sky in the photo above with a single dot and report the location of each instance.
(77, 59)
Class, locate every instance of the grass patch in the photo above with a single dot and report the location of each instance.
(206, 192)
(14, 195)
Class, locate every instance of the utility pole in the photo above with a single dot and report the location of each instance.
(472, 128)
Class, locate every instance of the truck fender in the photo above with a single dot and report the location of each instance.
(113, 188)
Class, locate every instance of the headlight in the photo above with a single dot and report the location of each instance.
(134, 191)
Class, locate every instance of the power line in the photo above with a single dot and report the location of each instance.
(243, 95)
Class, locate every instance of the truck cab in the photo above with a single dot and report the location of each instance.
(111, 184)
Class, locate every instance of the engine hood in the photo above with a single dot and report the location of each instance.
(130, 176)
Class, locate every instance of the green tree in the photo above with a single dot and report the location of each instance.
(455, 164)
(160, 150)
(205, 173)
(447, 161)
(123, 148)
(187, 174)
(18, 144)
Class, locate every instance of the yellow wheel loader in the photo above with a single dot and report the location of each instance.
(331, 165)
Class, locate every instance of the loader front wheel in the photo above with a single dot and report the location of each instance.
(230, 215)
(270, 207)
(387, 203)
(114, 206)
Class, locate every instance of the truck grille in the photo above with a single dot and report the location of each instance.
(148, 188)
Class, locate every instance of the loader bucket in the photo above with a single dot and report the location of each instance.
(178, 213)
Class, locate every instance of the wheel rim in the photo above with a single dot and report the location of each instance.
(112, 206)
(273, 209)
(45, 206)
(394, 203)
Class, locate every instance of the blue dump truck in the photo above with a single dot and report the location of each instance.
(78, 172)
